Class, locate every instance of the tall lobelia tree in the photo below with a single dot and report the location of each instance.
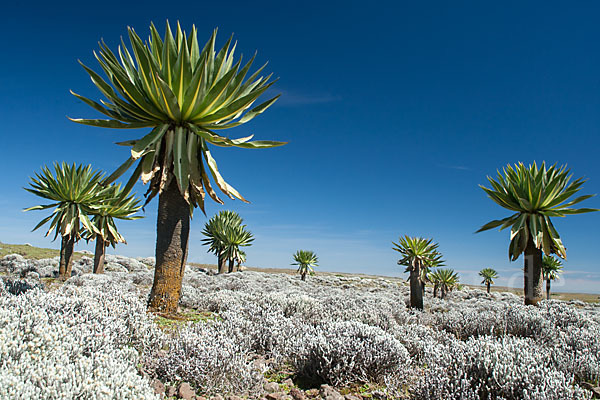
(114, 203)
(488, 275)
(184, 93)
(73, 192)
(418, 254)
(551, 269)
(535, 195)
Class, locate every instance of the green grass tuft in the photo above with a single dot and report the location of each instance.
(32, 252)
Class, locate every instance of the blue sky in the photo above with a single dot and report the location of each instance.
(394, 112)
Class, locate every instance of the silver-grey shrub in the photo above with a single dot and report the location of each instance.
(73, 343)
(340, 353)
(470, 345)
(487, 367)
(209, 357)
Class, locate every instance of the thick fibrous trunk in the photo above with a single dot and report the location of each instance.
(435, 290)
(99, 255)
(488, 286)
(66, 255)
(303, 276)
(222, 264)
(547, 289)
(172, 234)
(533, 278)
(416, 292)
(231, 264)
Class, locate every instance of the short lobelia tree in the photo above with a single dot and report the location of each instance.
(240, 260)
(535, 195)
(114, 203)
(445, 279)
(235, 238)
(73, 192)
(215, 231)
(488, 275)
(306, 260)
(551, 269)
(184, 93)
(417, 254)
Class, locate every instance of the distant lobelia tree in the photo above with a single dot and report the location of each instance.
(446, 280)
(114, 203)
(306, 260)
(215, 231)
(73, 192)
(236, 236)
(436, 284)
(488, 275)
(418, 254)
(535, 194)
(183, 93)
(240, 260)
(551, 269)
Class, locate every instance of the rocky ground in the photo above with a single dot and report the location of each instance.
(272, 336)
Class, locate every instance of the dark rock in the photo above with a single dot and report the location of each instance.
(329, 393)
(297, 394)
(271, 387)
(288, 382)
(158, 386)
(171, 391)
(186, 392)
(277, 396)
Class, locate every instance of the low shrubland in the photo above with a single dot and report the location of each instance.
(92, 338)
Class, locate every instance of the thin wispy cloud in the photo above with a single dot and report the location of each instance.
(456, 167)
(291, 98)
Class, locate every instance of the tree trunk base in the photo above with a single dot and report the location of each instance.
(222, 265)
(66, 257)
(172, 234)
(416, 291)
(533, 277)
(99, 255)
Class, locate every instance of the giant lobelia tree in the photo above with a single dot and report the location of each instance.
(418, 254)
(113, 203)
(446, 280)
(534, 195)
(551, 270)
(235, 238)
(488, 275)
(306, 260)
(215, 231)
(184, 94)
(74, 193)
